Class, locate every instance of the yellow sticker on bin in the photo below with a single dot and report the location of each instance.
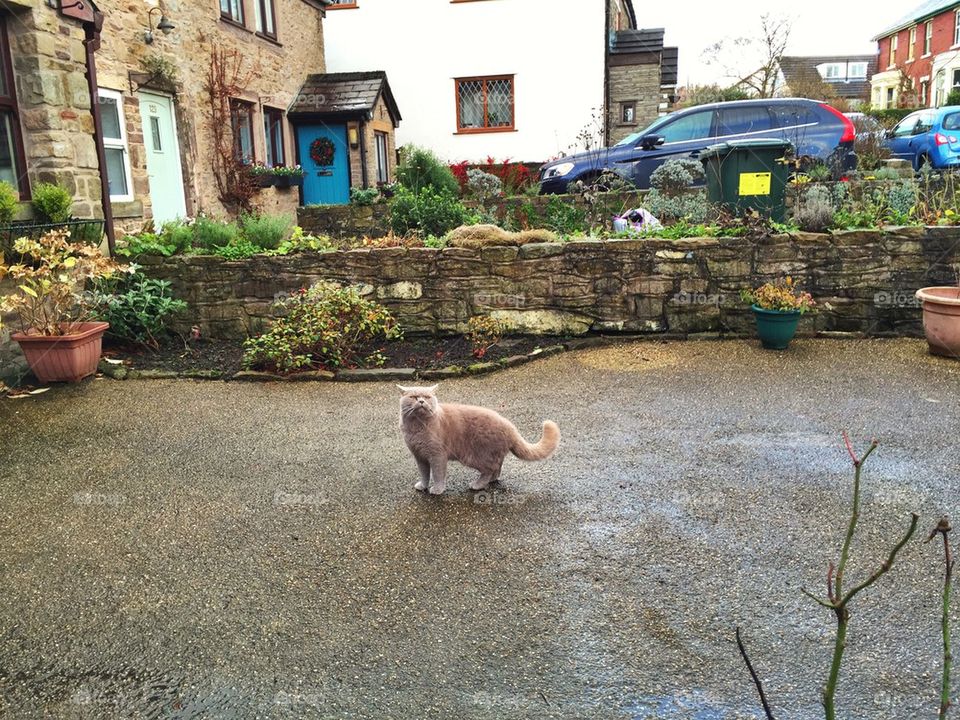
(755, 183)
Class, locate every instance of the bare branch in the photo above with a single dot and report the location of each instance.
(753, 674)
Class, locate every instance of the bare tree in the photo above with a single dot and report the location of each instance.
(753, 63)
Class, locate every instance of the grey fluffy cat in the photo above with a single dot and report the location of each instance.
(473, 436)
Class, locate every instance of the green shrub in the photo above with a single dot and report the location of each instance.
(691, 205)
(133, 246)
(901, 199)
(676, 175)
(953, 97)
(564, 218)
(265, 231)
(816, 210)
(419, 168)
(210, 234)
(886, 173)
(139, 309)
(238, 249)
(321, 327)
(364, 196)
(429, 212)
(179, 234)
(9, 199)
(299, 241)
(51, 203)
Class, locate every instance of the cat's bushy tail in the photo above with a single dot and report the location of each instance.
(543, 449)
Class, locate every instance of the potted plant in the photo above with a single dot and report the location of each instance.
(777, 308)
(57, 337)
(288, 176)
(261, 175)
(941, 319)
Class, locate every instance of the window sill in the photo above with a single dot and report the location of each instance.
(269, 38)
(925, 55)
(484, 131)
(234, 24)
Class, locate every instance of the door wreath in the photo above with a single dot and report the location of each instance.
(322, 151)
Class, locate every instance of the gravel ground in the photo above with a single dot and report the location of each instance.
(178, 549)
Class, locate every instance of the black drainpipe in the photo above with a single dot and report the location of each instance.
(363, 155)
(92, 44)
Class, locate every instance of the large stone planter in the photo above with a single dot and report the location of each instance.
(941, 319)
(64, 358)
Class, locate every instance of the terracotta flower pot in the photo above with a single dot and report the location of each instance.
(941, 319)
(64, 358)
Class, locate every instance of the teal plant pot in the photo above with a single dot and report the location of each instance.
(775, 327)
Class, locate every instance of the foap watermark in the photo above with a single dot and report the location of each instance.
(499, 300)
(98, 499)
(685, 297)
(485, 497)
(299, 500)
(896, 299)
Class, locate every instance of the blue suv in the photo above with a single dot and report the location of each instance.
(816, 130)
(928, 137)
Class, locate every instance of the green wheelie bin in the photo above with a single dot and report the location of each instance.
(748, 175)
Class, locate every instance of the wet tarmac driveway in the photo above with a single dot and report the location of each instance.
(177, 549)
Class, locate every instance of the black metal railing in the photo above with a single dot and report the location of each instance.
(86, 231)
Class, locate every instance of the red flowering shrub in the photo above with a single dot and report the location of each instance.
(459, 171)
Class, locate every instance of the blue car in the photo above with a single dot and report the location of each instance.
(928, 137)
(816, 130)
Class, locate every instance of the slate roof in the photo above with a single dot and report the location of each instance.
(637, 41)
(353, 93)
(795, 67)
(920, 12)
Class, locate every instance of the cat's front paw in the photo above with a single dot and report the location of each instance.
(438, 489)
(421, 486)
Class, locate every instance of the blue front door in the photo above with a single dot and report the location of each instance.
(327, 165)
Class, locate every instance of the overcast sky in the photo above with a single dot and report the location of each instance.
(820, 27)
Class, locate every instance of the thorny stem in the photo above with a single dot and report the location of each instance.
(855, 513)
(838, 601)
(753, 674)
(943, 528)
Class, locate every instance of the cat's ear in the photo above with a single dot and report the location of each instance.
(403, 389)
(432, 389)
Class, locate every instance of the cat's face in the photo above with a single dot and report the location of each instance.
(418, 401)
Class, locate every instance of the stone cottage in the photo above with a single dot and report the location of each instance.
(186, 93)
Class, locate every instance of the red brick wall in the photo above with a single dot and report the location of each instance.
(942, 40)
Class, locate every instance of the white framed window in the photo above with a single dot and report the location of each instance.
(912, 43)
(893, 50)
(115, 145)
(928, 38)
(832, 71)
(856, 71)
(265, 18)
(956, 27)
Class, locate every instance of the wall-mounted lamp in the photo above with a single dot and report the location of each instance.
(165, 26)
(354, 136)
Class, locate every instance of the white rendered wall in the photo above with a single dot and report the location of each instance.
(554, 48)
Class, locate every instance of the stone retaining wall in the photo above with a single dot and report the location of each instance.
(864, 281)
(12, 362)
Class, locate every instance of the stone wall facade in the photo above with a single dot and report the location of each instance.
(638, 85)
(864, 281)
(55, 107)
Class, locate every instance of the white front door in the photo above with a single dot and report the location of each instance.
(163, 157)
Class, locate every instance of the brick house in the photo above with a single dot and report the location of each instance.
(919, 57)
(524, 79)
(163, 130)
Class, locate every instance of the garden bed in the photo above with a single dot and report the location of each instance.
(416, 357)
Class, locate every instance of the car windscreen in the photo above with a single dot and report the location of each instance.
(951, 121)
